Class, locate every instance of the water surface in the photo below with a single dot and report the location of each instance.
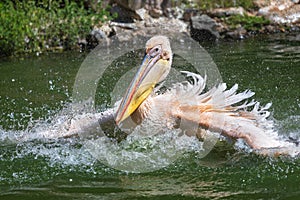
(34, 90)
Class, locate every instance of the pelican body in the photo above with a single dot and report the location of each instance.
(186, 106)
(216, 109)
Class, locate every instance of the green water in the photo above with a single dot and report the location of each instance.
(34, 89)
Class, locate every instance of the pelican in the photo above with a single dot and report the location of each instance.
(219, 109)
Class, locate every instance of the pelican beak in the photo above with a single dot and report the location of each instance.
(143, 83)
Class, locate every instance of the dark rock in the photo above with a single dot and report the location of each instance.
(237, 34)
(124, 15)
(126, 8)
(156, 7)
(132, 5)
(204, 28)
(270, 29)
(189, 13)
(96, 36)
(155, 13)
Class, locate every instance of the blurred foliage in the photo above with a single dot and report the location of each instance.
(250, 23)
(35, 26)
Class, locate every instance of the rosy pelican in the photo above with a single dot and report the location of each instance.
(221, 110)
(183, 106)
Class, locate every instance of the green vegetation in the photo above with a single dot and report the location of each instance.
(208, 4)
(35, 26)
(250, 23)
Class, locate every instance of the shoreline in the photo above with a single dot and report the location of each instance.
(225, 23)
(218, 24)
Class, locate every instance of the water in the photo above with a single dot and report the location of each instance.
(35, 94)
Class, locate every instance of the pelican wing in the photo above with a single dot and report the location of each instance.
(224, 111)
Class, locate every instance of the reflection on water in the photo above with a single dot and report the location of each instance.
(279, 50)
(35, 90)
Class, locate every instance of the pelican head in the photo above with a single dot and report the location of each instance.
(154, 69)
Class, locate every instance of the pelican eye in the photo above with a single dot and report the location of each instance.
(155, 51)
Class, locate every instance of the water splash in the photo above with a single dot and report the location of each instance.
(143, 154)
(46, 145)
(42, 150)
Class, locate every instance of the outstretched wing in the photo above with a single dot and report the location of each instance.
(224, 111)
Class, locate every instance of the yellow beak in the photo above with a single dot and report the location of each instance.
(142, 85)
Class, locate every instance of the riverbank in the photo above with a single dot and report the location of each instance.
(207, 20)
(43, 26)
